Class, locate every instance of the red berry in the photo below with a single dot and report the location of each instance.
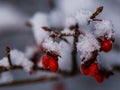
(45, 61)
(84, 71)
(99, 78)
(93, 69)
(53, 65)
(106, 45)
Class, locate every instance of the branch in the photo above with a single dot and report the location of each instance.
(8, 55)
(74, 51)
(96, 13)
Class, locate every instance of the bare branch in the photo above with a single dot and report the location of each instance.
(96, 13)
(46, 29)
(8, 55)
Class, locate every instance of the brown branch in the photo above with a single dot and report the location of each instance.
(96, 13)
(47, 29)
(61, 35)
(8, 55)
(74, 51)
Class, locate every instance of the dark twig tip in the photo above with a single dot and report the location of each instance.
(46, 28)
(7, 49)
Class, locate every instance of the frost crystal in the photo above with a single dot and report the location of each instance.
(52, 46)
(4, 62)
(104, 28)
(6, 77)
(18, 58)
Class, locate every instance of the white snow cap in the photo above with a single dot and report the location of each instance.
(6, 77)
(38, 21)
(18, 58)
(104, 27)
(88, 44)
(4, 62)
(52, 46)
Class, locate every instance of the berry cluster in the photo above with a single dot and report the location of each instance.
(49, 62)
(96, 72)
(91, 66)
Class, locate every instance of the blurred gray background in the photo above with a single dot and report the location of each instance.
(14, 33)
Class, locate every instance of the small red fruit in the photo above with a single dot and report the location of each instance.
(53, 65)
(93, 69)
(45, 61)
(99, 78)
(106, 45)
(84, 71)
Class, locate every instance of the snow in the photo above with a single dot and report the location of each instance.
(4, 62)
(6, 77)
(38, 21)
(52, 46)
(104, 27)
(18, 58)
(87, 45)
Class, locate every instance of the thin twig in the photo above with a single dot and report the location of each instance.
(8, 56)
(96, 13)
